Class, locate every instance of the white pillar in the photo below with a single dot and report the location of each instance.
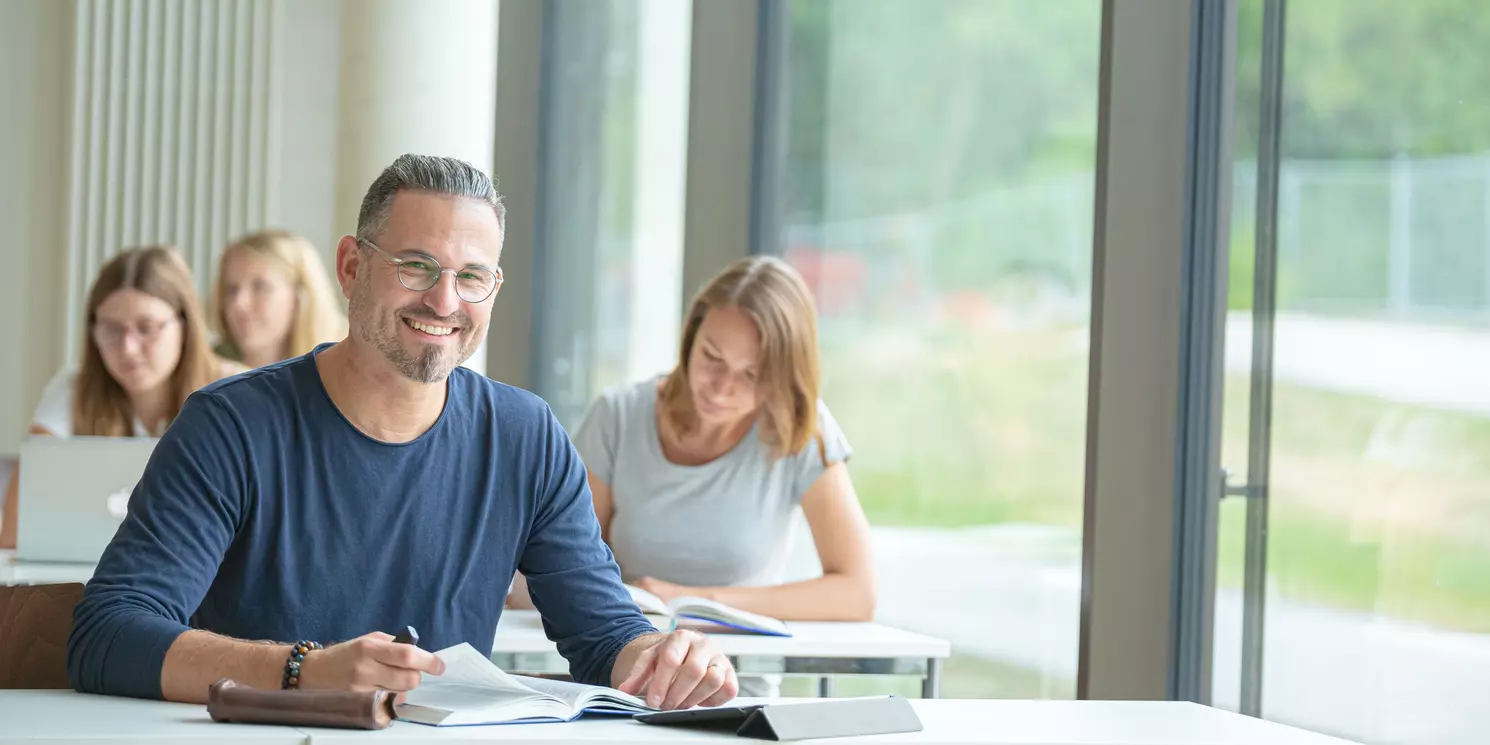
(417, 77)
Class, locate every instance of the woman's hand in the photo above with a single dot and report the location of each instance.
(667, 591)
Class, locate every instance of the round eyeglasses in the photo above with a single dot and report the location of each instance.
(474, 284)
(111, 334)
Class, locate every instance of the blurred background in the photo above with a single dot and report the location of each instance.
(930, 166)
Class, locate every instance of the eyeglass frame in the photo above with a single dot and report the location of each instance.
(398, 263)
(108, 329)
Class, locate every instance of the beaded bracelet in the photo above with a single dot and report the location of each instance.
(292, 666)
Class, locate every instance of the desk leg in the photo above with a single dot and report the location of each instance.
(931, 685)
(825, 687)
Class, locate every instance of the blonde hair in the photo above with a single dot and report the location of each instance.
(775, 298)
(100, 404)
(317, 317)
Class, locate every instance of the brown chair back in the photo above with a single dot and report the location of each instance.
(34, 623)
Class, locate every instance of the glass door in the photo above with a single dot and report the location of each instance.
(1354, 544)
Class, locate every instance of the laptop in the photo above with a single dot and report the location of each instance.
(74, 492)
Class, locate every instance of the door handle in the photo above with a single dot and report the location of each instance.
(1229, 489)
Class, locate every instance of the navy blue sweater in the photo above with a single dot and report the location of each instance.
(263, 514)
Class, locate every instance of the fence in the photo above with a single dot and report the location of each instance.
(1405, 238)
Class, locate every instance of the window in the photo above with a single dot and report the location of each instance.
(610, 243)
(938, 185)
(1377, 584)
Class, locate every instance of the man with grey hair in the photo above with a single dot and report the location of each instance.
(367, 486)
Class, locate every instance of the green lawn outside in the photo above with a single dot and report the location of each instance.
(1376, 506)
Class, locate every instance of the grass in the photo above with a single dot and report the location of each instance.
(949, 431)
(1431, 580)
(1375, 506)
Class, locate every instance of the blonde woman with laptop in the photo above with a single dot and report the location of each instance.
(273, 299)
(144, 352)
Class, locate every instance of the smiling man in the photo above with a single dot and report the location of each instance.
(369, 485)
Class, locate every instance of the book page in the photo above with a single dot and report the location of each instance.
(464, 665)
(647, 602)
(579, 696)
(470, 681)
(709, 610)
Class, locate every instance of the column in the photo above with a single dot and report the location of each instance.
(416, 77)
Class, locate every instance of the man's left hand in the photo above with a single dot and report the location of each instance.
(680, 670)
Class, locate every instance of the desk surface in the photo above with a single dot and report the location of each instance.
(14, 572)
(521, 632)
(55, 717)
(63, 716)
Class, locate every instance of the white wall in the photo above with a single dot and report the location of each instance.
(34, 60)
(309, 51)
(337, 119)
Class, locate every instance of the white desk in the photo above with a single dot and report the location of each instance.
(13, 572)
(55, 717)
(818, 649)
(51, 718)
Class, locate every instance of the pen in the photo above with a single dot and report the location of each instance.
(407, 636)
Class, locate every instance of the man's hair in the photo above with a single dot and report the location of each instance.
(431, 173)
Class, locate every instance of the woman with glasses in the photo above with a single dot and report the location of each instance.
(272, 300)
(145, 351)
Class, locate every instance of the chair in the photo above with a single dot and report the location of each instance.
(34, 624)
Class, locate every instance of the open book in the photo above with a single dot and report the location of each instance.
(704, 615)
(475, 691)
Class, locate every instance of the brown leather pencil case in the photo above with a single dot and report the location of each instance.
(228, 701)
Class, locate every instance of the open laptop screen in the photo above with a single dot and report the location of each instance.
(73, 494)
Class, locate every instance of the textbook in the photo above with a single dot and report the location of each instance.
(704, 615)
(474, 691)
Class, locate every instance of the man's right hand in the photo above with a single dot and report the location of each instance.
(369, 662)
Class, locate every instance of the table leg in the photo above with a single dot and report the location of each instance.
(825, 687)
(931, 685)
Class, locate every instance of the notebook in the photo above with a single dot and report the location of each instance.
(474, 691)
(704, 615)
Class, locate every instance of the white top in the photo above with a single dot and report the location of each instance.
(521, 632)
(64, 716)
(727, 522)
(54, 410)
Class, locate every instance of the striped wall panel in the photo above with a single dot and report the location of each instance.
(173, 134)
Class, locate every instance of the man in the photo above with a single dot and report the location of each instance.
(367, 486)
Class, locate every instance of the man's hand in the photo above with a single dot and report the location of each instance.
(680, 670)
(367, 663)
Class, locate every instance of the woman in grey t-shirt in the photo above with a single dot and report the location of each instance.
(696, 474)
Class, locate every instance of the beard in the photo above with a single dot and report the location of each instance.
(431, 363)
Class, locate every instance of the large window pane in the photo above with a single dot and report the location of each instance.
(1378, 603)
(938, 179)
(611, 226)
